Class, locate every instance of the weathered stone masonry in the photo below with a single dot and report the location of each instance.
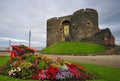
(82, 25)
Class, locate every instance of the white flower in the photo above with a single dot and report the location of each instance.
(11, 72)
(15, 70)
(18, 69)
(64, 67)
(14, 74)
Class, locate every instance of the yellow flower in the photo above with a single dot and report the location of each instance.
(67, 62)
(25, 64)
(57, 65)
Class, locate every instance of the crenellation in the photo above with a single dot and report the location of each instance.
(90, 10)
(85, 10)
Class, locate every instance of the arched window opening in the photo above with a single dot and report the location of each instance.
(66, 27)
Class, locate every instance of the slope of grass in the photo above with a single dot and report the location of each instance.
(74, 48)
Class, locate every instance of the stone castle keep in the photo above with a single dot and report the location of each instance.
(82, 25)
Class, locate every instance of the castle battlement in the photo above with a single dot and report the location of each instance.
(85, 10)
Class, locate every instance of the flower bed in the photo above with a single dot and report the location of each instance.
(41, 67)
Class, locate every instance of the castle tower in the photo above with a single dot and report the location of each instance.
(82, 25)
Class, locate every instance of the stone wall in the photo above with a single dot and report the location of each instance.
(55, 29)
(102, 37)
(82, 25)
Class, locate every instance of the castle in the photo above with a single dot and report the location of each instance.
(82, 25)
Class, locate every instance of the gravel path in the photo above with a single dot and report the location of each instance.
(104, 60)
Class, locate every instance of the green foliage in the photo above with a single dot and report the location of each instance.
(7, 67)
(26, 73)
(30, 59)
(42, 64)
(25, 64)
(14, 59)
(74, 48)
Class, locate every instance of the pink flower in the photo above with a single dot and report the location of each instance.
(42, 75)
(58, 59)
(75, 73)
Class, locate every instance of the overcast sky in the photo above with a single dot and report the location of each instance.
(17, 17)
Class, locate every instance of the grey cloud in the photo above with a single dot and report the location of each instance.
(17, 17)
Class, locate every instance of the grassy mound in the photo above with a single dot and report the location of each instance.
(74, 48)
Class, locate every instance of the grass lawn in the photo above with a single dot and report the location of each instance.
(74, 48)
(103, 73)
(3, 60)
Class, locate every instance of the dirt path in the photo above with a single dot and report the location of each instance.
(105, 60)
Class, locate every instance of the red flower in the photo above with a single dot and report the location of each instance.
(33, 77)
(79, 66)
(16, 63)
(51, 72)
(71, 65)
(68, 65)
